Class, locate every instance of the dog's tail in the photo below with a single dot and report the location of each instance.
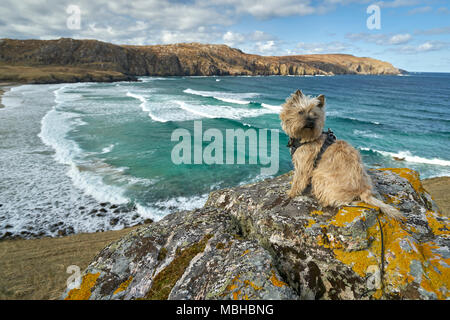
(388, 210)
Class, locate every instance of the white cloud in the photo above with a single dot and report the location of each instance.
(420, 10)
(323, 47)
(399, 39)
(424, 47)
(233, 38)
(265, 9)
(398, 3)
(443, 10)
(434, 31)
(380, 39)
(266, 47)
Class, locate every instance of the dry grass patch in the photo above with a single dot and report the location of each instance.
(36, 269)
(439, 188)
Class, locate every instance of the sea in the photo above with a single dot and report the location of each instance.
(90, 157)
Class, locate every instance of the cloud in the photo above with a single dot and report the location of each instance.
(443, 10)
(380, 39)
(399, 39)
(427, 46)
(420, 10)
(265, 9)
(233, 38)
(323, 47)
(160, 20)
(398, 3)
(434, 31)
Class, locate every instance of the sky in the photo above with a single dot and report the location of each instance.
(411, 34)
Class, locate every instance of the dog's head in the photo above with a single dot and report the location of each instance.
(303, 117)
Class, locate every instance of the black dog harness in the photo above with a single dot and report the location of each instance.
(294, 144)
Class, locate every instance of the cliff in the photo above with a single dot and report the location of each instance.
(253, 242)
(69, 60)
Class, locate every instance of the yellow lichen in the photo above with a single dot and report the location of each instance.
(410, 175)
(251, 284)
(275, 281)
(84, 292)
(233, 288)
(317, 212)
(245, 252)
(358, 260)
(347, 215)
(392, 199)
(123, 286)
(438, 228)
(311, 222)
(398, 257)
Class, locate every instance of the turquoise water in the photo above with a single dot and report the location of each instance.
(111, 142)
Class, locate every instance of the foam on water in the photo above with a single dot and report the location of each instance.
(367, 134)
(227, 112)
(408, 157)
(235, 98)
(271, 107)
(145, 107)
(108, 149)
(55, 126)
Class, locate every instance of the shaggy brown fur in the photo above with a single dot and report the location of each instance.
(340, 177)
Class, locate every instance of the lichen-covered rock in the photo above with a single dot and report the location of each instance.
(253, 242)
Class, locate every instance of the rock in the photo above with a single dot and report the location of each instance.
(253, 242)
(6, 235)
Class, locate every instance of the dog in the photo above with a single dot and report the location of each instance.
(333, 167)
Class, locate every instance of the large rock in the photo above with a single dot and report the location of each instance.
(253, 242)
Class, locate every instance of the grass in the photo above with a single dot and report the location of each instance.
(55, 74)
(36, 269)
(439, 189)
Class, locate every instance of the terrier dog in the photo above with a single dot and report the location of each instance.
(333, 168)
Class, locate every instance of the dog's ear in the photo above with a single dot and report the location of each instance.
(298, 93)
(321, 99)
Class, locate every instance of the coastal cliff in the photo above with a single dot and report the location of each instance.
(69, 60)
(253, 242)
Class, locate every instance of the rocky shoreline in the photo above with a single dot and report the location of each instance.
(60, 229)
